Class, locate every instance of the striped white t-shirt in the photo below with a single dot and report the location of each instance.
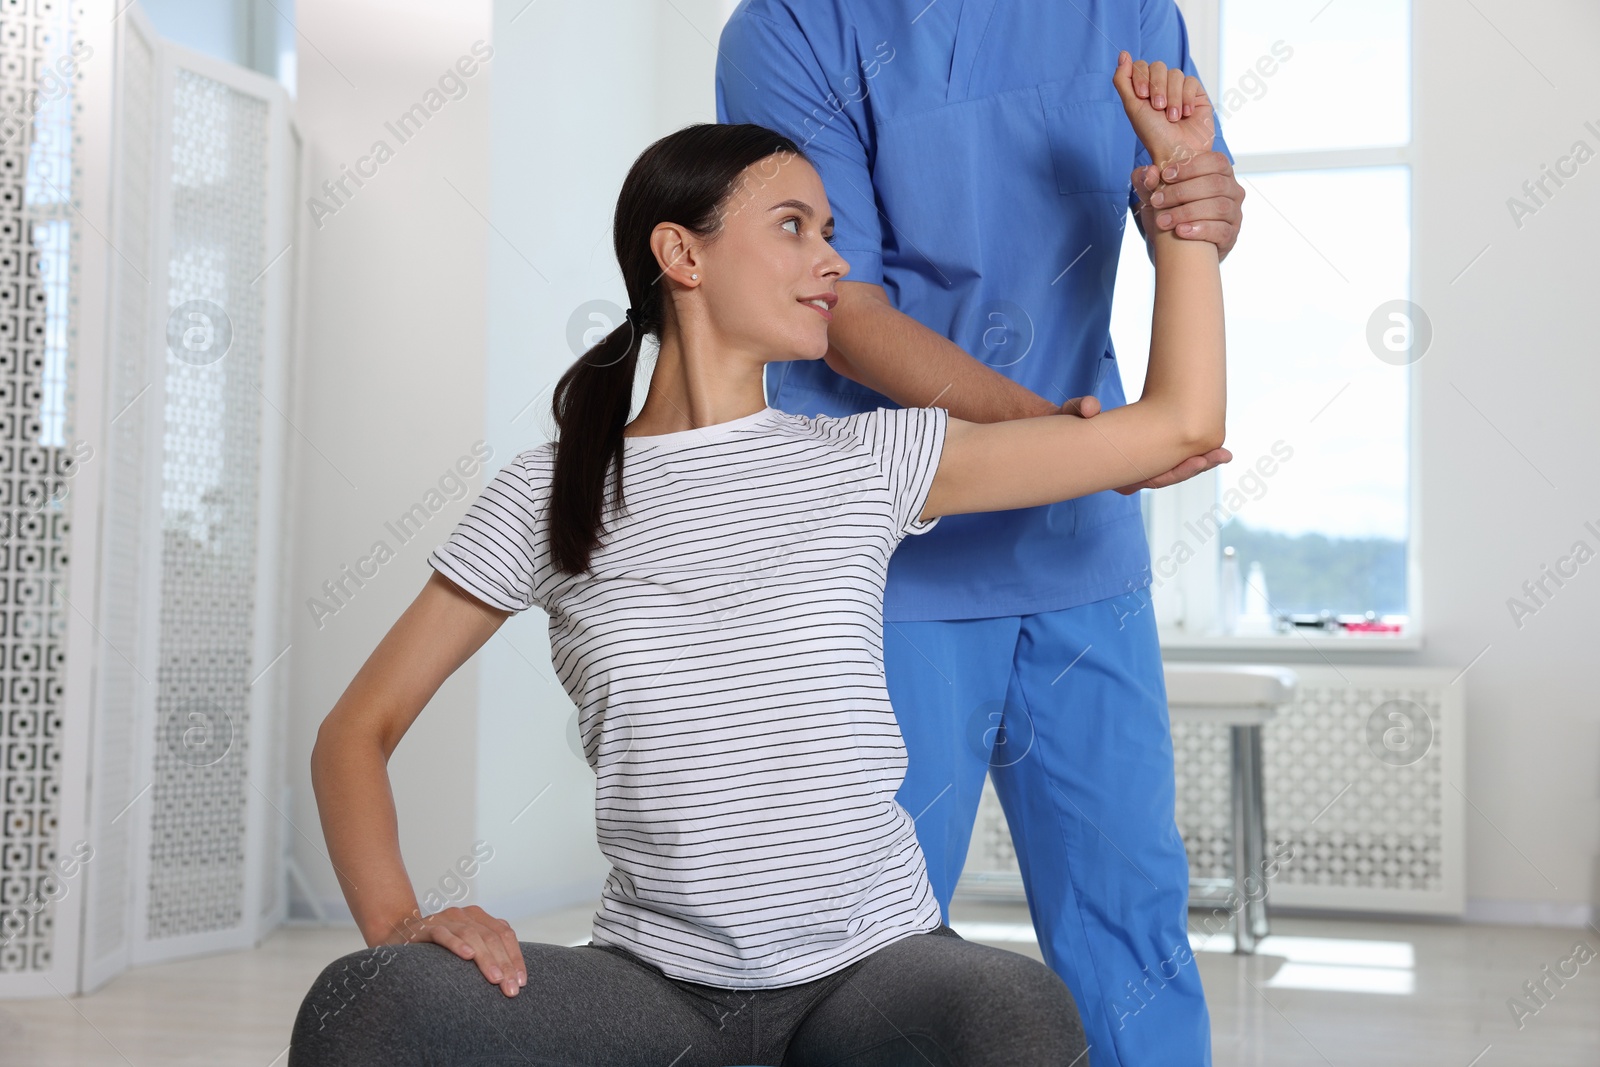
(726, 658)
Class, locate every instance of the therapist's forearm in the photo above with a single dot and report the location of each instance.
(891, 353)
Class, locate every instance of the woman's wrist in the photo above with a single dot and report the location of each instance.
(1166, 244)
(395, 928)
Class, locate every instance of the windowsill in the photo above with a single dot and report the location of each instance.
(1320, 642)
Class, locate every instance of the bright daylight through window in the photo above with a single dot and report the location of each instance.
(1307, 530)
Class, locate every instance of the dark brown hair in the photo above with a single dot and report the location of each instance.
(687, 177)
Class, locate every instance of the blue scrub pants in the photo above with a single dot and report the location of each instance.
(1067, 710)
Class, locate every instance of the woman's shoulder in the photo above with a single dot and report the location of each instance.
(526, 475)
(541, 453)
(538, 462)
(880, 430)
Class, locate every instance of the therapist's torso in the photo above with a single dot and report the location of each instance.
(999, 158)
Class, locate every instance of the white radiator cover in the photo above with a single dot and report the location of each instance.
(1371, 805)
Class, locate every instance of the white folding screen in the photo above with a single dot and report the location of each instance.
(42, 662)
(143, 683)
(129, 139)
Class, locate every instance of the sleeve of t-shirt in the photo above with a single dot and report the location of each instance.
(1165, 36)
(768, 74)
(494, 552)
(907, 443)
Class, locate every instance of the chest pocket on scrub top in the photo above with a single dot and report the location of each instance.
(1092, 144)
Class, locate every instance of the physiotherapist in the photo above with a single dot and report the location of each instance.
(980, 170)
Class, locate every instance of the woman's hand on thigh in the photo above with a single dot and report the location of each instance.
(474, 934)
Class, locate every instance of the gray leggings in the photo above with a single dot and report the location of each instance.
(930, 998)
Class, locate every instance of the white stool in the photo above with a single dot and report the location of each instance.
(1241, 698)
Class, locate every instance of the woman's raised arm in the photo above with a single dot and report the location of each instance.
(1027, 462)
(439, 632)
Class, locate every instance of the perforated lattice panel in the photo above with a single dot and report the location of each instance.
(36, 292)
(124, 688)
(991, 850)
(1354, 785)
(1353, 819)
(1379, 814)
(209, 508)
(1201, 755)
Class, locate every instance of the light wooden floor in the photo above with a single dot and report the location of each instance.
(1323, 992)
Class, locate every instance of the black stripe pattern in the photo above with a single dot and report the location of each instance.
(726, 658)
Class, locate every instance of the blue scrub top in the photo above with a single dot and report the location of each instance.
(977, 161)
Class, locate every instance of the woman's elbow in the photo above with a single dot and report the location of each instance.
(1206, 435)
(322, 749)
(335, 741)
(1175, 429)
(348, 739)
(1201, 424)
(1190, 429)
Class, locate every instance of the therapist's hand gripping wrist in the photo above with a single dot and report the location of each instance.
(1198, 197)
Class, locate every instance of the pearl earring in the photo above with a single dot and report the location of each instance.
(694, 277)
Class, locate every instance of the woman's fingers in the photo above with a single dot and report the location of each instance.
(1128, 83)
(474, 934)
(513, 949)
(1176, 138)
(496, 960)
(1141, 79)
(1175, 78)
(491, 958)
(1168, 89)
(1158, 85)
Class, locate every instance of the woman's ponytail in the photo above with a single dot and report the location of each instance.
(591, 404)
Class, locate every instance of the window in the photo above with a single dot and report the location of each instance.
(1316, 505)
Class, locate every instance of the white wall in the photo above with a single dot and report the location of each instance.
(1516, 334)
(401, 376)
(391, 388)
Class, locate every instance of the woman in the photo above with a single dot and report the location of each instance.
(719, 627)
